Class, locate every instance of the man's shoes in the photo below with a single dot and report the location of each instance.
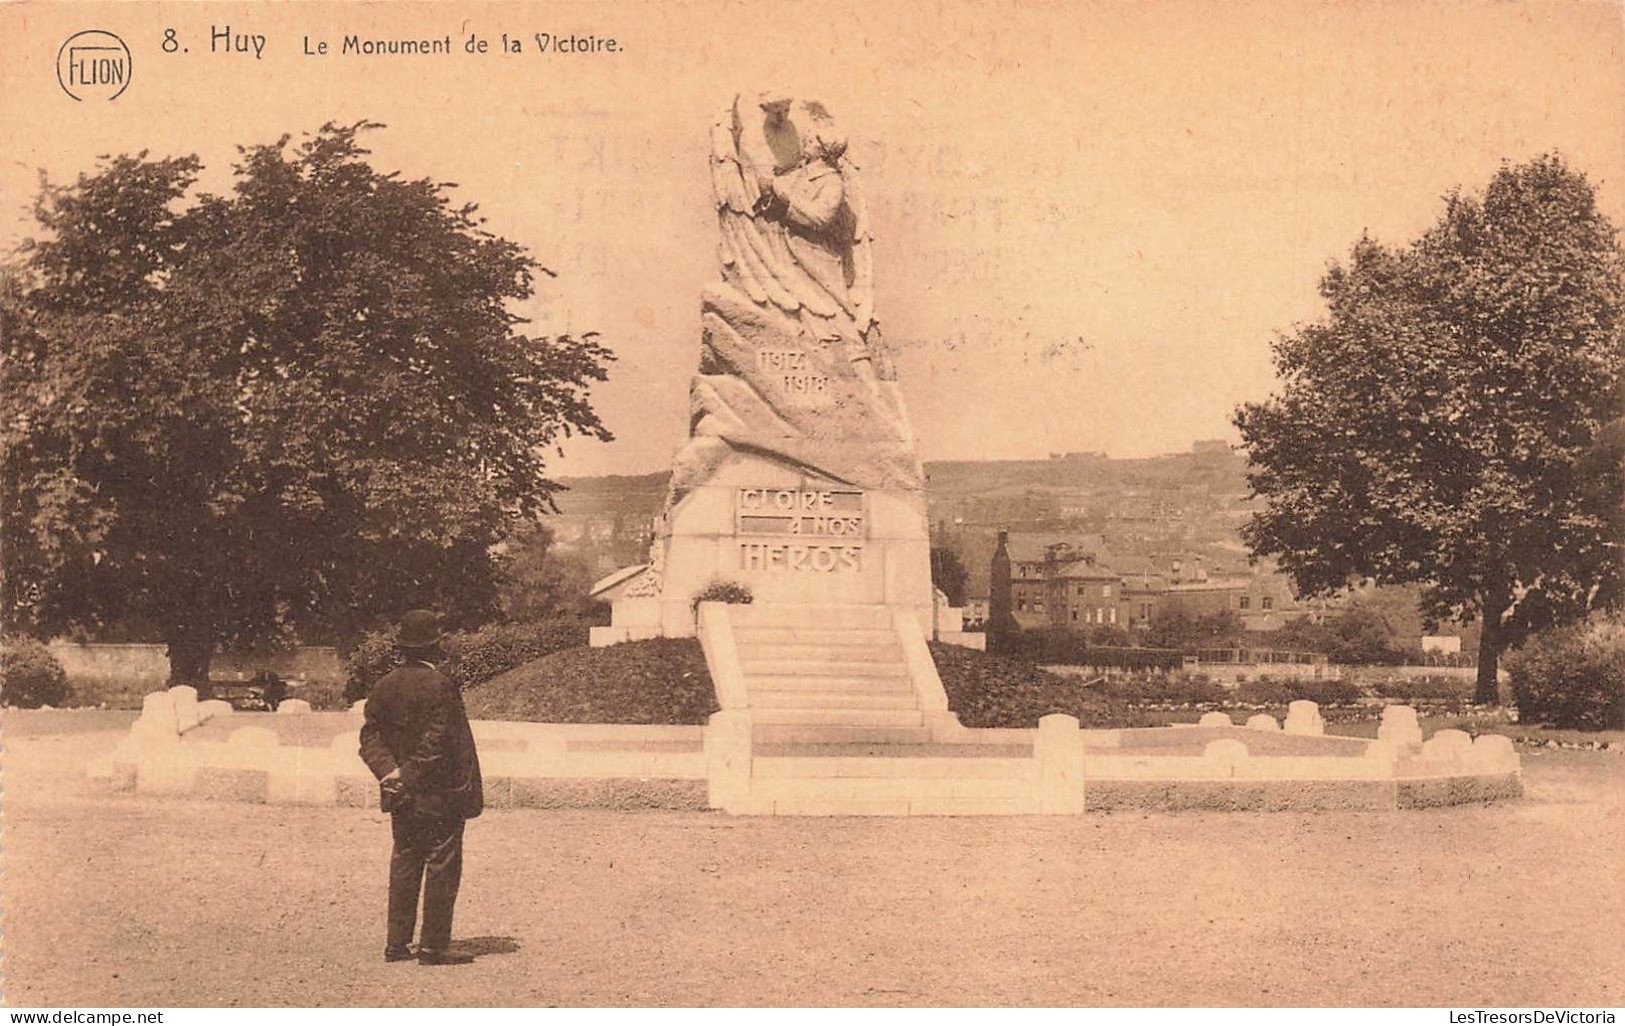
(398, 954)
(443, 956)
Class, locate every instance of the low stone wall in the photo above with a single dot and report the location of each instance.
(180, 746)
(1297, 795)
(149, 664)
(525, 765)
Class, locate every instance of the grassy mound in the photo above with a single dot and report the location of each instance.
(659, 681)
(994, 691)
(665, 681)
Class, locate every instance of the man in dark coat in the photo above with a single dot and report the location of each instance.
(417, 742)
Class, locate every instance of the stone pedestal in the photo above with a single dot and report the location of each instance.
(799, 480)
(793, 538)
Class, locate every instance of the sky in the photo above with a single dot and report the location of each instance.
(1091, 220)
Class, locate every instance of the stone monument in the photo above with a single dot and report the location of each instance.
(799, 479)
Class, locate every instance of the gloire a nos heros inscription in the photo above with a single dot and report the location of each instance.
(817, 531)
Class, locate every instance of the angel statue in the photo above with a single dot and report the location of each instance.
(793, 371)
(792, 363)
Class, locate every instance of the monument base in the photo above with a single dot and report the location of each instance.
(787, 537)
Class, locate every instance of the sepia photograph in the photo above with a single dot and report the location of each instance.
(718, 504)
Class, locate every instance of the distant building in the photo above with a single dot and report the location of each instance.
(1060, 580)
(1441, 644)
(1210, 447)
(1208, 596)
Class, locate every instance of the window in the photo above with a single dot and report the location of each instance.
(1114, 614)
(1038, 605)
(1105, 591)
(1074, 616)
(1246, 603)
(1080, 591)
(1145, 610)
(1021, 604)
(1269, 603)
(1100, 615)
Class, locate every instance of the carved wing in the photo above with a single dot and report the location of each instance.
(861, 289)
(754, 249)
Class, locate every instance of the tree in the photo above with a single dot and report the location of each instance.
(1434, 427)
(1173, 628)
(1109, 636)
(302, 406)
(541, 583)
(949, 575)
(1363, 636)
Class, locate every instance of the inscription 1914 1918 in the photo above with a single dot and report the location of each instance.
(825, 524)
(790, 371)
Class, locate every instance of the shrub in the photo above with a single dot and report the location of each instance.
(1433, 689)
(30, 675)
(1325, 692)
(372, 657)
(1572, 677)
(474, 657)
(1264, 690)
(468, 657)
(723, 591)
(1058, 645)
(1171, 689)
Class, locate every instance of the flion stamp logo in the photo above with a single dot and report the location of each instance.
(93, 65)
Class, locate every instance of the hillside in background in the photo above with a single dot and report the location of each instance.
(1186, 506)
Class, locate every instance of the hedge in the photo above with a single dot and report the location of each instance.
(1072, 648)
(1572, 677)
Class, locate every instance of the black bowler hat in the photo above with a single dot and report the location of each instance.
(419, 629)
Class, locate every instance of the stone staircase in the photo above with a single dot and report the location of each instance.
(838, 725)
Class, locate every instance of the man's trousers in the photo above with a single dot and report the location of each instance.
(428, 856)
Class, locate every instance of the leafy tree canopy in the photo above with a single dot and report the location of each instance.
(1444, 424)
(307, 404)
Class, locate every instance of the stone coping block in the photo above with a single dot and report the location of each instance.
(184, 697)
(1303, 718)
(1215, 719)
(1262, 721)
(1399, 725)
(1495, 753)
(1447, 744)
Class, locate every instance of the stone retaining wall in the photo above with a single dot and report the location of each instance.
(149, 664)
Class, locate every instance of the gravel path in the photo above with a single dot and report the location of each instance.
(115, 900)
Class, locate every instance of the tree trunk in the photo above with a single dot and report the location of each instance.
(189, 656)
(1488, 691)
